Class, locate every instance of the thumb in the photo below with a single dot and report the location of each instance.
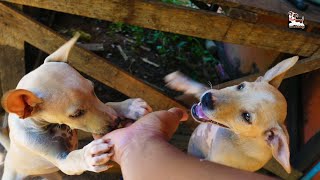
(181, 114)
(163, 122)
(170, 121)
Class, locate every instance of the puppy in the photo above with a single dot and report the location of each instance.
(47, 106)
(241, 126)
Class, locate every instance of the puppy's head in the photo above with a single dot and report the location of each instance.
(253, 109)
(57, 93)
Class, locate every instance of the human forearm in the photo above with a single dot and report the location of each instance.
(145, 157)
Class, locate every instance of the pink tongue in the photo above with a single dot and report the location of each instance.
(200, 112)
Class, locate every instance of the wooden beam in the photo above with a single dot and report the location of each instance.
(278, 8)
(274, 167)
(302, 66)
(187, 21)
(12, 65)
(24, 28)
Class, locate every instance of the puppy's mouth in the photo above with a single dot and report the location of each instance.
(198, 115)
(117, 124)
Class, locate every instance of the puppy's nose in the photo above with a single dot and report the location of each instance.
(207, 101)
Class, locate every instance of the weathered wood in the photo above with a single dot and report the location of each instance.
(274, 167)
(279, 8)
(302, 66)
(187, 21)
(85, 61)
(12, 66)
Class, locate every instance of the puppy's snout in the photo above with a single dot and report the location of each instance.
(207, 101)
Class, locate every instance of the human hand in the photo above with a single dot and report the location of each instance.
(156, 125)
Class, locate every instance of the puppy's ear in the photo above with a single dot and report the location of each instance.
(278, 140)
(21, 102)
(61, 55)
(276, 74)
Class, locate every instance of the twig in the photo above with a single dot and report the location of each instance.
(149, 62)
(92, 46)
(145, 48)
(134, 42)
(125, 57)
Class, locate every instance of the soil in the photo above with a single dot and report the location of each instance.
(100, 32)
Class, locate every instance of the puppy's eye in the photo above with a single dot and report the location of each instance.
(247, 117)
(240, 86)
(78, 113)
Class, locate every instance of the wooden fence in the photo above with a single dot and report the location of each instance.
(241, 24)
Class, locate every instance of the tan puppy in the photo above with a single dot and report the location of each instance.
(241, 126)
(45, 108)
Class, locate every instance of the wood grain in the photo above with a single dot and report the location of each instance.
(187, 21)
(302, 66)
(12, 65)
(85, 61)
(279, 8)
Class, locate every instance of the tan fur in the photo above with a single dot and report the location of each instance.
(45, 108)
(244, 145)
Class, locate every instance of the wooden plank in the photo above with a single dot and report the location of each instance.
(85, 61)
(302, 66)
(187, 21)
(274, 167)
(278, 8)
(12, 66)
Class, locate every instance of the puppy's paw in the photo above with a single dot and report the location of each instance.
(97, 154)
(137, 108)
(180, 82)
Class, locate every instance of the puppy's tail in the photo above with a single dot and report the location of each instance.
(4, 133)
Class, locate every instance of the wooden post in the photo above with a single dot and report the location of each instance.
(12, 66)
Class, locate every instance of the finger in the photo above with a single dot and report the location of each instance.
(149, 109)
(100, 148)
(182, 115)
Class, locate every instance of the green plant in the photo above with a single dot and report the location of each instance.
(167, 45)
(177, 2)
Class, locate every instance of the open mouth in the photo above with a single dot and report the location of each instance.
(198, 114)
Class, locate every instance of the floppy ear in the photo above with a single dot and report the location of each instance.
(21, 102)
(278, 140)
(61, 55)
(276, 74)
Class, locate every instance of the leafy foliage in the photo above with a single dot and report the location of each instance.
(168, 45)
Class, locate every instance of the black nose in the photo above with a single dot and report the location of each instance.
(207, 101)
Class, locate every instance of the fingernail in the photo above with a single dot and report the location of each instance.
(182, 114)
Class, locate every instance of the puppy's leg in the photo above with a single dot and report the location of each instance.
(180, 82)
(131, 108)
(93, 157)
(10, 173)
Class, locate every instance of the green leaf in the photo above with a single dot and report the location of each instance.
(181, 44)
